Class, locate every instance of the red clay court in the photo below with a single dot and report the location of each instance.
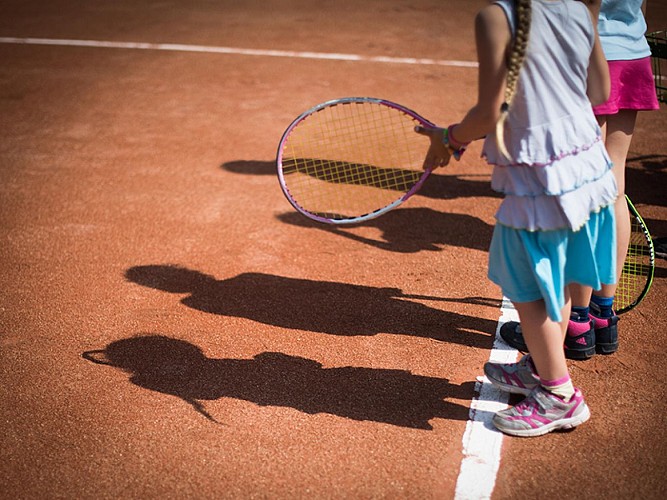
(171, 328)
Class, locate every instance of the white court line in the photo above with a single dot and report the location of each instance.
(237, 51)
(482, 443)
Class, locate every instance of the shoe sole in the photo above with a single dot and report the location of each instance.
(606, 348)
(558, 425)
(580, 354)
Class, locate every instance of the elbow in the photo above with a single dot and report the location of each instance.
(599, 96)
(598, 89)
(489, 119)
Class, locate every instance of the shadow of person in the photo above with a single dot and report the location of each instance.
(438, 186)
(411, 230)
(179, 368)
(316, 306)
(451, 187)
(250, 167)
(645, 180)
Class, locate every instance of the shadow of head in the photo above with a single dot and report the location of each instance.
(148, 354)
(169, 278)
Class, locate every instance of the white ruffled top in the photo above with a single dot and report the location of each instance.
(559, 172)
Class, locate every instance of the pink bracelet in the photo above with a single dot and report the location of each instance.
(452, 140)
(458, 150)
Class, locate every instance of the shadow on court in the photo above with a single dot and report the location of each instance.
(411, 230)
(179, 368)
(437, 186)
(645, 180)
(316, 306)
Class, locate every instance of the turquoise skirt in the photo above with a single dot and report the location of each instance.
(534, 265)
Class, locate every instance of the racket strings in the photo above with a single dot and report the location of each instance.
(637, 270)
(366, 173)
(352, 159)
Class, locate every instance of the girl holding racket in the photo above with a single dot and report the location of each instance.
(541, 66)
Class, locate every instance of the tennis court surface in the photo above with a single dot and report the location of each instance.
(171, 328)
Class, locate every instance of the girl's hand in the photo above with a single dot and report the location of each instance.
(438, 154)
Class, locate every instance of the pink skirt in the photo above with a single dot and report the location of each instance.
(632, 87)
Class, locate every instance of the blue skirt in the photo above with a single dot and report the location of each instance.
(534, 265)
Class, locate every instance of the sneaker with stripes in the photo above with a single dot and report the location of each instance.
(542, 412)
(516, 378)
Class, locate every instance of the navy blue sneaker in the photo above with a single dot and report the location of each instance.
(511, 333)
(579, 341)
(606, 334)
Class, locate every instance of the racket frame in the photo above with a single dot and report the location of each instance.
(651, 255)
(343, 101)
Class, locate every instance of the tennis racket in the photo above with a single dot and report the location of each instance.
(352, 159)
(639, 266)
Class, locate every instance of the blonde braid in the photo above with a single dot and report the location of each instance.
(516, 58)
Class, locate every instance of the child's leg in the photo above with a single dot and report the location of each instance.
(554, 403)
(581, 295)
(618, 130)
(544, 338)
(546, 358)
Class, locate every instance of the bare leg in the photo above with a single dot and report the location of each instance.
(544, 337)
(617, 130)
(553, 404)
(620, 128)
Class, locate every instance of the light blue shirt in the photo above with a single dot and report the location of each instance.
(622, 30)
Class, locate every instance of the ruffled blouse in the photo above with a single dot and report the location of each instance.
(559, 171)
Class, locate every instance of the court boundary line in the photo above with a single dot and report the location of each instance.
(177, 47)
(482, 443)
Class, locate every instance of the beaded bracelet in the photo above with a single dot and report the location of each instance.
(457, 148)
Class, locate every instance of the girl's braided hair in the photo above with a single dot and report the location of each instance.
(517, 55)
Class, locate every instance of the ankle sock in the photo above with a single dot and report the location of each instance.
(579, 322)
(602, 306)
(562, 387)
(579, 313)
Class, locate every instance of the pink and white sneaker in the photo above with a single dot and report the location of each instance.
(515, 378)
(542, 412)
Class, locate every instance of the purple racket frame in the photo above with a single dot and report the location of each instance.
(334, 102)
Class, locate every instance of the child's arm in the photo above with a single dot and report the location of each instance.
(493, 37)
(598, 82)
